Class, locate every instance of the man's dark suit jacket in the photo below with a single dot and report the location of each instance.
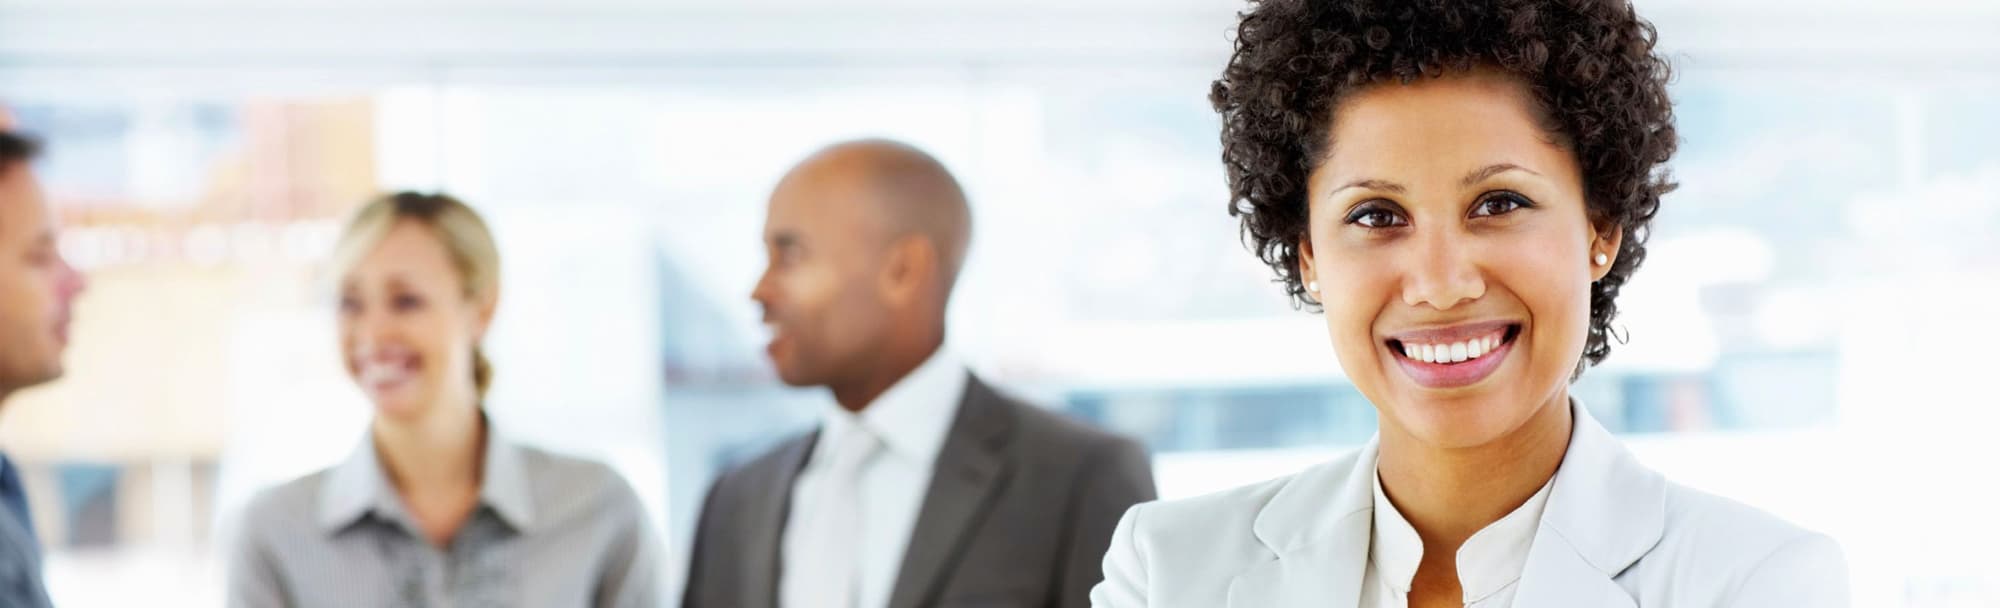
(1019, 512)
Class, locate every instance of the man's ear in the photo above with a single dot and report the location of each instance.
(910, 267)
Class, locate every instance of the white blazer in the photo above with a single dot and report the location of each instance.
(1615, 534)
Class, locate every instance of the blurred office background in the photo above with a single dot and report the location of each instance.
(1813, 332)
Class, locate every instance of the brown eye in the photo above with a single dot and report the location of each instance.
(1500, 203)
(1373, 215)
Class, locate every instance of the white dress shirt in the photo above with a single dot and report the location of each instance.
(911, 419)
(1489, 563)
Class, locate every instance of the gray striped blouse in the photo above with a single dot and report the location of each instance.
(549, 531)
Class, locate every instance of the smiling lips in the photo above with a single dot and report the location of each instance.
(1454, 356)
(384, 372)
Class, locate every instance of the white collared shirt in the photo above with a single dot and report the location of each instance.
(1489, 563)
(911, 419)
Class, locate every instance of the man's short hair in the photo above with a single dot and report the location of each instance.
(17, 148)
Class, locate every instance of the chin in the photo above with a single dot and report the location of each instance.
(1465, 421)
(790, 373)
(51, 374)
(796, 379)
(398, 407)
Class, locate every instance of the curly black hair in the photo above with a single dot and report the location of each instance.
(1589, 65)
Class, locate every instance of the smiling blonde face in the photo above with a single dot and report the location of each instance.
(419, 282)
(1445, 217)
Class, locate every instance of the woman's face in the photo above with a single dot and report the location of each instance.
(407, 327)
(1452, 251)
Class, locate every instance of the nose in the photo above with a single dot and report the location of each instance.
(367, 332)
(1443, 272)
(765, 289)
(70, 282)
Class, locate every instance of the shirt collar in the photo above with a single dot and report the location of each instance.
(358, 486)
(1395, 549)
(1488, 561)
(1495, 555)
(913, 417)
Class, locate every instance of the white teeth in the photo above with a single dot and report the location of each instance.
(1453, 353)
(378, 373)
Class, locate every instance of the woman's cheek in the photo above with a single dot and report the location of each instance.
(1353, 293)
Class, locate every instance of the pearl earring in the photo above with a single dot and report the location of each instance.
(1602, 259)
(1312, 286)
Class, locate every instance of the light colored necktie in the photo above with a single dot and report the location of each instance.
(830, 544)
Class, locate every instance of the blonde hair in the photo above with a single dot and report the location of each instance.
(464, 235)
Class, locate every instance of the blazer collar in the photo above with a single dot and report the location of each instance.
(1605, 511)
(1318, 528)
(1606, 505)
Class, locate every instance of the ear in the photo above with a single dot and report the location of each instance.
(1606, 240)
(485, 305)
(910, 268)
(1307, 276)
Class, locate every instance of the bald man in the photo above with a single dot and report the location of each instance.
(923, 485)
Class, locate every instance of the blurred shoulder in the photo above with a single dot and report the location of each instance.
(285, 508)
(565, 485)
(1711, 538)
(1058, 435)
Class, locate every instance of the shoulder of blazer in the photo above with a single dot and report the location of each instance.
(1718, 539)
(758, 476)
(1049, 432)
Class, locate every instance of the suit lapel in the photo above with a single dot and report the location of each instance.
(1317, 528)
(763, 543)
(1557, 575)
(971, 468)
(1326, 573)
(1605, 512)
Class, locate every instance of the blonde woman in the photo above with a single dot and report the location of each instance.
(436, 507)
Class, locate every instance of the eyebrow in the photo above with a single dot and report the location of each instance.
(1491, 170)
(1371, 184)
(1477, 175)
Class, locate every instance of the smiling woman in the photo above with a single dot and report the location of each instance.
(436, 506)
(1462, 189)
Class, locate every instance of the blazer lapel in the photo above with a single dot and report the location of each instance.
(1318, 528)
(1605, 511)
(763, 543)
(971, 468)
(1558, 575)
(1327, 573)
